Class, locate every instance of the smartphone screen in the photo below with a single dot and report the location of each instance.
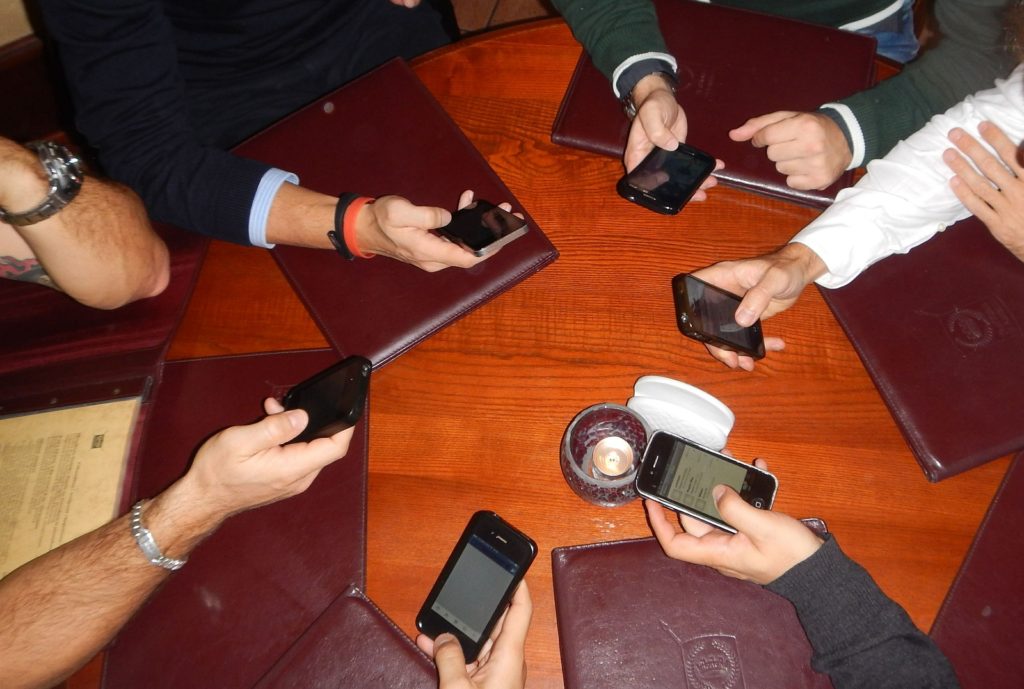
(665, 180)
(483, 227)
(707, 313)
(333, 399)
(474, 588)
(477, 582)
(681, 475)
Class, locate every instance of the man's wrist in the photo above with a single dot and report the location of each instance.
(648, 85)
(147, 544)
(368, 234)
(846, 121)
(300, 217)
(23, 182)
(658, 81)
(179, 520)
(808, 262)
(635, 68)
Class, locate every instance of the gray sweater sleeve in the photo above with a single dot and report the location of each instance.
(613, 30)
(860, 637)
(969, 56)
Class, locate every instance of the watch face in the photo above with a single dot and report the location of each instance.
(63, 167)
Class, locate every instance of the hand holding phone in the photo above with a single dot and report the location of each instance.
(682, 475)
(706, 313)
(477, 582)
(483, 228)
(332, 399)
(665, 180)
(504, 661)
(767, 545)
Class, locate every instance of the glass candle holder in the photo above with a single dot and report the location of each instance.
(601, 450)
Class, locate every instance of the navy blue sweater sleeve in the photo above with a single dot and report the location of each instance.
(121, 64)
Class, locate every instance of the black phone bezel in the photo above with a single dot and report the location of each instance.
(684, 318)
(486, 525)
(663, 203)
(651, 472)
(470, 217)
(353, 375)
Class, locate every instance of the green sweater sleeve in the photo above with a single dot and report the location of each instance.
(969, 56)
(612, 31)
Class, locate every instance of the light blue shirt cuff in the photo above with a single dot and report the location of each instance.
(265, 193)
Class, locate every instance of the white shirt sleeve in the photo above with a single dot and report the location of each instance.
(905, 197)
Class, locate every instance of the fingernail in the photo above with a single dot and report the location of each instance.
(745, 317)
(295, 418)
(955, 134)
(717, 492)
(443, 639)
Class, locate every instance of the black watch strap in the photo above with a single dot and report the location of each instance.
(337, 235)
(635, 73)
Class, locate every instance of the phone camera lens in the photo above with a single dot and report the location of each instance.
(683, 318)
(759, 503)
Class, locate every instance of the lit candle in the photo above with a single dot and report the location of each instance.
(612, 457)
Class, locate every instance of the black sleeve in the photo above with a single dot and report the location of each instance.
(121, 65)
(861, 638)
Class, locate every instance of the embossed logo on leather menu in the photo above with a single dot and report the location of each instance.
(976, 326)
(696, 80)
(711, 661)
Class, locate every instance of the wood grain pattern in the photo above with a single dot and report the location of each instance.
(472, 418)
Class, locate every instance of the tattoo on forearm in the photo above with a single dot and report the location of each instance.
(24, 270)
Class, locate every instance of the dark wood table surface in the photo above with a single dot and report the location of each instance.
(472, 418)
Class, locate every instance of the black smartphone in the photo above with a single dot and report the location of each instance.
(665, 180)
(477, 582)
(333, 399)
(483, 228)
(680, 474)
(707, 314)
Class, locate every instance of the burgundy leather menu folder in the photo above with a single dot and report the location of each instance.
(979, 625)
(256, 584)
(941, 332)
(733, 65)
(629, 616)
(353, 645)
(385, 134)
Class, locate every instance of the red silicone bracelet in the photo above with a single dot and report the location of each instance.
(349, 225)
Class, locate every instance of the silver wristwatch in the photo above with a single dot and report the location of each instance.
(629, 106)
(65, 173)
(147, 544)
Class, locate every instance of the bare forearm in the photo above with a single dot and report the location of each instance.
(301, 217)
(100, 249)
(59, 610)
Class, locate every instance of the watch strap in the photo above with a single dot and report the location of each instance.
(147, 544)
(337, 235)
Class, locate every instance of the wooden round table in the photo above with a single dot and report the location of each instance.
(472, 418)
